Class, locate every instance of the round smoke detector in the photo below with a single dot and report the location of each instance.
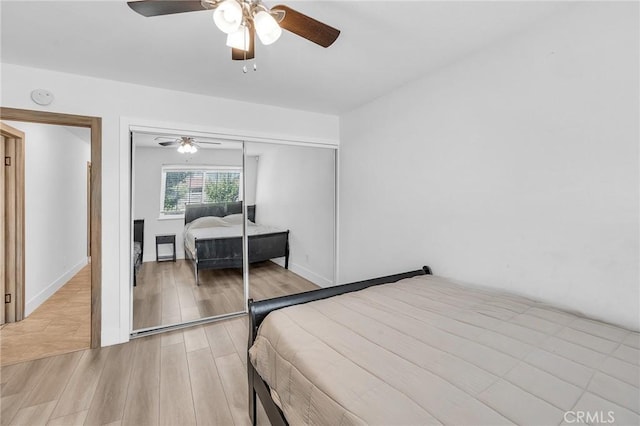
(42, 97)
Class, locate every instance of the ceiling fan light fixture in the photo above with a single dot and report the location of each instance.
(187, 146)
(239, 39)
(267, 27)
(187, 149)
(242, 16)
(228, 16)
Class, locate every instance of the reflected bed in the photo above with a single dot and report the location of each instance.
(213, 237)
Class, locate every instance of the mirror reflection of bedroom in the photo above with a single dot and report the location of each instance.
(295, 191)
(188, 201)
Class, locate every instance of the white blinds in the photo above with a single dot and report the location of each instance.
(189, 186)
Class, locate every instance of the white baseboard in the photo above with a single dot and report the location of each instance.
(306, 273)
(48, 291)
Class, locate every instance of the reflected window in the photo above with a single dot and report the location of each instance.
(182, 186)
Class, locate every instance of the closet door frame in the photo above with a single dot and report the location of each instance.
(128, 125)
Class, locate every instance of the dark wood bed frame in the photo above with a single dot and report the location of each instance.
(138, 237)
(219, 253)
(259, 310)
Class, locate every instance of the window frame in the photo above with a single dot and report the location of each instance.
(197, 168)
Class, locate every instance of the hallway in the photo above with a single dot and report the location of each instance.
(60, 325)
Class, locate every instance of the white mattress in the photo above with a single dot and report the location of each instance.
(427, 351)
(228, 231)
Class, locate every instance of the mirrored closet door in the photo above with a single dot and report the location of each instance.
(292, 235)
(187, 209)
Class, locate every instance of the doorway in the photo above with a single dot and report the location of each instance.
(95, 125)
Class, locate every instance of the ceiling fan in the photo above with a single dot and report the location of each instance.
(241, 20)
(185, 144)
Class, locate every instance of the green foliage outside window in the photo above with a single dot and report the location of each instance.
(225, 188)
(182, 187)
(175, 190)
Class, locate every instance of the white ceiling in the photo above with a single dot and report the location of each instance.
(383, 45)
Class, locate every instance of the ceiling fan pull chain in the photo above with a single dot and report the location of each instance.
(244, 67)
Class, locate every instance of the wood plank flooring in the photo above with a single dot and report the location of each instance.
(166, 292)
(195, 376)
(61, 324)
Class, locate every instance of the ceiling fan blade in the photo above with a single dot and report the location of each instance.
(209, 143)
(307, 27)
(172, 143)
(241, 55)
(164, 7)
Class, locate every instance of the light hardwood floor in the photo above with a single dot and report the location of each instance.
(166, 292)
(185, 377)
(61, 324)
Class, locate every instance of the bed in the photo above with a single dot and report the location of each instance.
(414, 348)
(213, 237)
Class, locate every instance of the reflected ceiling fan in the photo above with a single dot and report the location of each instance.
(185, 144)
(241, 20)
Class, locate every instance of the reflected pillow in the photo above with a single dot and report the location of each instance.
(235, 219)
(207, 222)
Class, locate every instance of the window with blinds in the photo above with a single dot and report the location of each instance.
(193, 186)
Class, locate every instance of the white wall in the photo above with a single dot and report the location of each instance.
(296, 191)
(147, 187)
(55, 207)
(516, 168)
(114, 101)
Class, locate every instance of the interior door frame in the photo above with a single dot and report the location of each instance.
(89, 210)
(3, 273)
(18, 162)
(95, 125)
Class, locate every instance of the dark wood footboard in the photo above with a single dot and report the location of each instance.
(259, 310)
(219, 253)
